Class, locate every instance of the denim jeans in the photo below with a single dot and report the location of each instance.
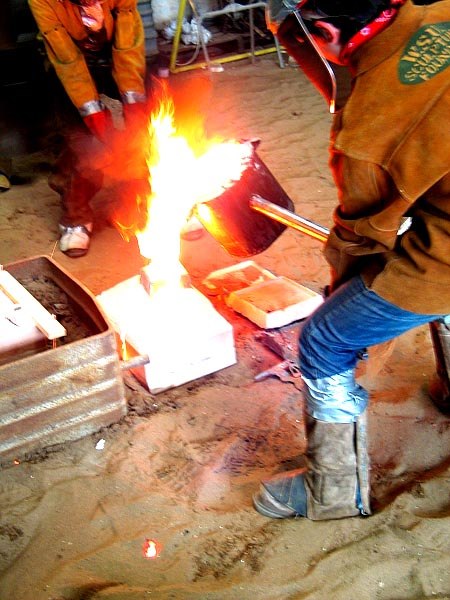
(336, 336)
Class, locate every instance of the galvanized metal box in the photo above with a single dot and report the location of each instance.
(65, 392)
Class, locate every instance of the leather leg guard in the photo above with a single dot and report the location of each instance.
(440, 386)
(336, 484)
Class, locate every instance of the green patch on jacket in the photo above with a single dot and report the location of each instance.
(426, 54)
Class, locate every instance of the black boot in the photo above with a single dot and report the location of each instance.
(336, 484)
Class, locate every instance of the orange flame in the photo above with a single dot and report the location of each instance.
(183, 173)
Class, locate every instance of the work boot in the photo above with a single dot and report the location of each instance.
(4, 183)
(75, 240)
(336, 483)
(5, 173)
(439, 388)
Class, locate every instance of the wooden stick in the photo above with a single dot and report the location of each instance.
(43, 320)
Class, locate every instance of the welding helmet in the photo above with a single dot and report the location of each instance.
(298, 25)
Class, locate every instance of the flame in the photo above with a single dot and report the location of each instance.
(185, 169)
(123, 345)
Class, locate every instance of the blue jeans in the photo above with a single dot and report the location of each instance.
(336, 336)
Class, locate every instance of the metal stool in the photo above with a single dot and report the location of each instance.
(231, 8)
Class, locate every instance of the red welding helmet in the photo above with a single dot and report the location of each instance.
(296, 26)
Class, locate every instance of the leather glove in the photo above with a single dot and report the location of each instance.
(135, 115)
(101, 125)
(345, 257)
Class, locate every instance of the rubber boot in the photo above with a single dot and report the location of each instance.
(439, 389)
(336, 483)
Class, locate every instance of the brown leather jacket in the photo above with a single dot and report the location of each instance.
(390, 156)
(60, 24)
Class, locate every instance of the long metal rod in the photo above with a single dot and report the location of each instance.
(282, 215)
(176, 39)
(136, 361)
(326, 64)
(225, 59)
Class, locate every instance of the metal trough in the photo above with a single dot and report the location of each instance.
(65, 392)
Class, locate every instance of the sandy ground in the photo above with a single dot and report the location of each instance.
(181, 467)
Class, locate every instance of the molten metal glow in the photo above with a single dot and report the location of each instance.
(150, 549)
(183, 172)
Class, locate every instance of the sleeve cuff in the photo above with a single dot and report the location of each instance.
(133, 97)
(91, 107)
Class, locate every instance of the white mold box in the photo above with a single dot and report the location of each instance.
(181, 332)
(275, 302)
(236, 277)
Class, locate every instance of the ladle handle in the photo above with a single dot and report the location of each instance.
(280, 214)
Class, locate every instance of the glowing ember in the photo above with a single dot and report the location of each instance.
(150, 548)
(182, 174)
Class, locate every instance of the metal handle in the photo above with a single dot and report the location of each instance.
(136, 361)
(282, 215)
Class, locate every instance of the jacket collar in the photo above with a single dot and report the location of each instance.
(389, 41)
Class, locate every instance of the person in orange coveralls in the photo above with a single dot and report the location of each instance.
(390, 158)
(95, 47)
